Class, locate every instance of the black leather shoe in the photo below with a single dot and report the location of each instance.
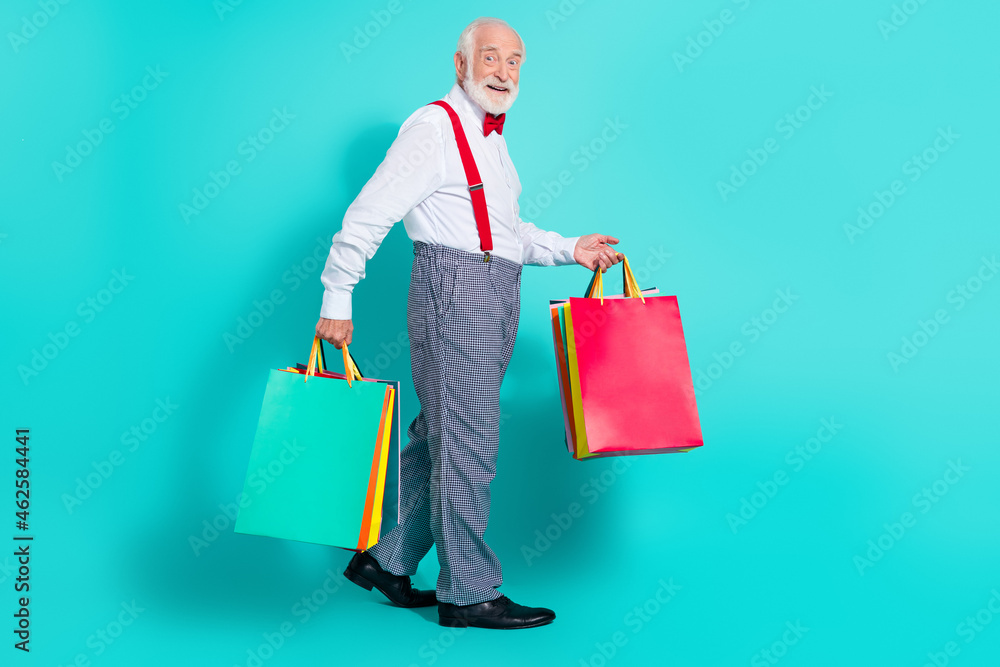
(365, 571)
(499, 614)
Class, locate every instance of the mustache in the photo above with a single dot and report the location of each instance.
(492, 80)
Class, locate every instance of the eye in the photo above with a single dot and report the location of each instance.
(512, 63)
(490, 59)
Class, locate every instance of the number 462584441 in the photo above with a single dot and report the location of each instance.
(22, 476)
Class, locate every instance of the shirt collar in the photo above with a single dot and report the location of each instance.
(465, 106)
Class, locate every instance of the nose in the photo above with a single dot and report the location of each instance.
(501, 72)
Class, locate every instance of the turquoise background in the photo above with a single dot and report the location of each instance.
(167, 335)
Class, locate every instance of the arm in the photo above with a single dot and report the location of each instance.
(551, 249)
(545, 248)
(411, 170)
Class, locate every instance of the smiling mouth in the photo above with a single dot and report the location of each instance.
(499, 90)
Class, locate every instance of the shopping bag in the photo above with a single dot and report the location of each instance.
(557, 314)
(391, 495)
(317, 469)
(562, 370)
(627, 372)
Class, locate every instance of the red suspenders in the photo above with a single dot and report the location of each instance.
(475, 181)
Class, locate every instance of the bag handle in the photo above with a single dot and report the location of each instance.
(632, 289)
(318, 358)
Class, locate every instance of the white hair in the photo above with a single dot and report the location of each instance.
(467, 43)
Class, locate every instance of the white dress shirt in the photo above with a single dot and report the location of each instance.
(422, 182)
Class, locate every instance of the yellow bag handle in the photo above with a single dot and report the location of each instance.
(632, 289)
(316, 360)
(598, 285)
(310, 367)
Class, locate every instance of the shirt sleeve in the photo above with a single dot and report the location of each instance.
(413, 168)
(545, 248)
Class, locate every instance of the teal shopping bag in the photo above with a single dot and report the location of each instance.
(317, 465)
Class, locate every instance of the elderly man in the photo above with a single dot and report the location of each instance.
(449, 178)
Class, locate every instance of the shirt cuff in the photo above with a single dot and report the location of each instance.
(335, 306)
(563, 253)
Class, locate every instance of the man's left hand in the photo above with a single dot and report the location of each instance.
(595, 250)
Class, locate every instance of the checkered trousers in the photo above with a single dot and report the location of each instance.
(462, 320)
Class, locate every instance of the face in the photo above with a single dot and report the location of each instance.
(491, 77)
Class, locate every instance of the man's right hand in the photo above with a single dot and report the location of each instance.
(335, 332)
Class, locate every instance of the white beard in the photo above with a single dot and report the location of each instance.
(490, 101)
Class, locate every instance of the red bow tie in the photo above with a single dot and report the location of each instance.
(492, 122)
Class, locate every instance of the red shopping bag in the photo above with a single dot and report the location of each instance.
(630, 388)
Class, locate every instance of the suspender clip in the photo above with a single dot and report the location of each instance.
(486, 257)
(477, 186)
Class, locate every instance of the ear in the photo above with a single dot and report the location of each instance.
(459, 65)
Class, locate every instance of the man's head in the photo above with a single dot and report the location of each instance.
(488, 63)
